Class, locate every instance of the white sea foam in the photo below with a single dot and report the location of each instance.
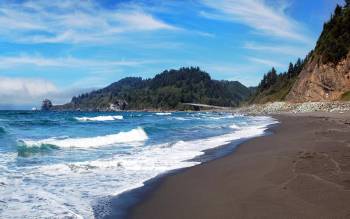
(182, 118)
(99, 118)
(235, 126)
(163, 114)
(134, 135)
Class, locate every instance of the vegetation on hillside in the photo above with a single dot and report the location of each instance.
(334, 42)
(275, 87)
(166, 91)
(345, 96)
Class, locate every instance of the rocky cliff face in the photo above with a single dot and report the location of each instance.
(321, 82)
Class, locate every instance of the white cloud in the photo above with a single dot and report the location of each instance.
(24, 91)
(72, 21)
(10, 62)
(257, 14)
(277, 49)
(266, 62)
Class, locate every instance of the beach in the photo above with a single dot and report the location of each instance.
(301, 170)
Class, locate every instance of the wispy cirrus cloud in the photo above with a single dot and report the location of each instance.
(257, 14)
(72, 21)
(277, 49)
(266, 62)
(10, 62)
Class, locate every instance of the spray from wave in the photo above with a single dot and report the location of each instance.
(135, 135)
(99, 118)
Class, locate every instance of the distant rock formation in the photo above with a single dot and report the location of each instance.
(46, 105)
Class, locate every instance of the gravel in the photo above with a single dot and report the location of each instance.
(281, 107)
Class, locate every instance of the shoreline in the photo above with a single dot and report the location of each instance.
(122, 204)
(256, 179)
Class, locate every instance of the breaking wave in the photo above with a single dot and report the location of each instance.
(24, 151)
(134, 135)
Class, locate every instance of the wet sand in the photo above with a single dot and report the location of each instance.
(301, 171)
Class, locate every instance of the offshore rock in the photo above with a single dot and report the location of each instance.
(46, 105)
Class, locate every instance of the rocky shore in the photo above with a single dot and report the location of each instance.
(283, 107)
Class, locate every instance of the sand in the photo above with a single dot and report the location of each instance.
(300, 171)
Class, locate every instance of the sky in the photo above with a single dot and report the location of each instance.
(58, 49)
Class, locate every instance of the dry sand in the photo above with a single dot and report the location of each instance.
(301, 171)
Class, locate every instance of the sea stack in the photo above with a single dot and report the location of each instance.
(46, 105)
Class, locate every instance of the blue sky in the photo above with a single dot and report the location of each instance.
(57, 49)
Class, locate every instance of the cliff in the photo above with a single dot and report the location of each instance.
(322, 82)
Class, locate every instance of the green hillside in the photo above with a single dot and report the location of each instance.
(275, 87)
(166, 91)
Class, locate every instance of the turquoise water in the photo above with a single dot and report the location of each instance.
(63, 164)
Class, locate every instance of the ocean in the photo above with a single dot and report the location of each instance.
(64, 164)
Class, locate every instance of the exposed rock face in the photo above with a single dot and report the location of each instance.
(321, 82)
(46, 105)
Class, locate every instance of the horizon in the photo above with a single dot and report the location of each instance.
(72, 47)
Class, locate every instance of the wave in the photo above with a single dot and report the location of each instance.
(163, 114)
(26, 123)
(99, 118)
(24, 151)
(2, 130)
(135, 135)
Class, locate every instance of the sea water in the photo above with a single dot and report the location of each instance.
(63, 164)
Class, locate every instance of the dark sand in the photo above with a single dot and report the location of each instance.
(301, 171)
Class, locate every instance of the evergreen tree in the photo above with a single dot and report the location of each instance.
(334, 42)
(338, 10)
(290, 70)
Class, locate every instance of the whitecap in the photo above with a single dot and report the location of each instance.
(99, 118)
(163, 114)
